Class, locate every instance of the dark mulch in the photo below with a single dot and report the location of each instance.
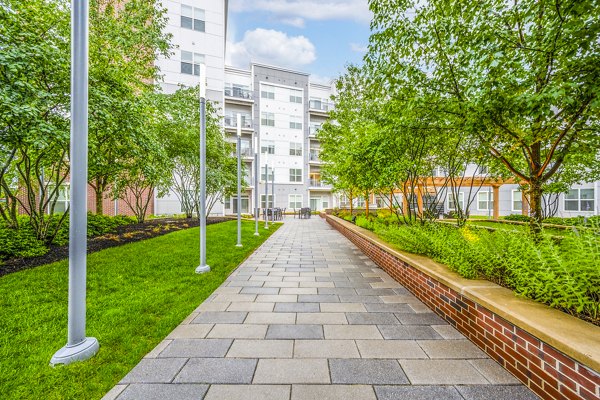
(123, 235)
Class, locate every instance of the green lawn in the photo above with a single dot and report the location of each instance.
(137, 294)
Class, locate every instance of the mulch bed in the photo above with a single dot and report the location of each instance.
(123, 235)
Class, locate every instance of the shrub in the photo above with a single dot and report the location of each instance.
(564, 275)
(20, 242)
(23, 243)
(517, 217)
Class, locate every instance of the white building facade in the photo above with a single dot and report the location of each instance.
(282, 109)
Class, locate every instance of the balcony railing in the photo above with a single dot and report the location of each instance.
(314, 129)
(238, 92)
(247, 152)
(313, 155)
(317, 183)
(320, 105)
(231, 121)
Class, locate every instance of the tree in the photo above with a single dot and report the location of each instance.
(182, 120)
(125, 40)
(34, 130)
(520, 77)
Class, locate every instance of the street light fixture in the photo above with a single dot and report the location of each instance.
(273, 193)
(266, 191)
(256, 169)
(202, 268)
(239, 180)
(78, 347)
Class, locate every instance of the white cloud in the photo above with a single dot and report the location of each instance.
(358, 48)
(271, 47)
(294, 21)
(357, 10)
(323, 80)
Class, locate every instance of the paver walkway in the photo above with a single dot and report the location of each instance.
(308, 316)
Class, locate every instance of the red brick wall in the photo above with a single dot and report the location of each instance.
(548, 372)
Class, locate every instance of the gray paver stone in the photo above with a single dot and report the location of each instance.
(297, 307)
(370, 372)
(217, 370)
(154, 370)
(295, 332)
(196, 348)
(417, 393)
(164, 392)
(220, 317)
(496, 392)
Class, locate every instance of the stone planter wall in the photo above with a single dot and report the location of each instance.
(556, 355)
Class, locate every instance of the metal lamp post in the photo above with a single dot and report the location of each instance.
(78, 347)
(273, 194)
(239, 180)
(266, 192)
(255, 144)
(202, 268)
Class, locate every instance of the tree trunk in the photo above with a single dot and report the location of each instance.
(351, 206)
(367, 204)
(535, 204)
(99, 190)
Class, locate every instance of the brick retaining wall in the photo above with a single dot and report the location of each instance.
(547, 371)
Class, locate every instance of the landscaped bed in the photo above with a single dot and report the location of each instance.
(137, 294)
(564, 274)
(124, 231)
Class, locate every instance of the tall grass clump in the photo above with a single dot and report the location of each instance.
(561, 272)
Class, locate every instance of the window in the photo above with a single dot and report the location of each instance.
(267, 147)
(296, 96)
(295, 200)
(192, 18)
(452, 201)
(295, 122)
(269, 172)
(244, 202)
(325, 203)
(485, 201)
(295, 149)
(517, 200)
(360, 202)
(190, 62)
(579, 200)
(295, 175)
(61, 196)
(267, 119)
(262, 201)
(227, 203)
(264, 94)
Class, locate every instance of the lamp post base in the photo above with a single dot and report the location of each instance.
(256, 234)
(239, 245)
(202, 269)
(79, 352)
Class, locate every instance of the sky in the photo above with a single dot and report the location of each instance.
(316, 36)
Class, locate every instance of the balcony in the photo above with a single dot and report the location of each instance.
(238, 94)
(231, 121)
(320, 106)
(312, 131)
(313, 156)
(318, 184)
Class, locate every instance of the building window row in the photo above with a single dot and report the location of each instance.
(579, 200)
(295, 149)
(267, 119)
(193, 18)
(190, 62)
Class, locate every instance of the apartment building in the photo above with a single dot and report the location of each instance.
(281, 108)
(281, 111)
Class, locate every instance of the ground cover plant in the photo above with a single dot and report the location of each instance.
(137, 293)
(22, 242)
(563, 273)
